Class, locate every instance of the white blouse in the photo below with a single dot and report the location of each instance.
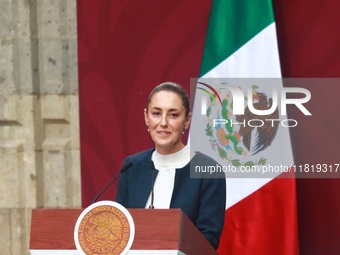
(164, 183)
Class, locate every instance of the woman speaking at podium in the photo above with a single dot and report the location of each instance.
(160, 177)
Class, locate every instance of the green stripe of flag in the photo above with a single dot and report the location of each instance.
(232, 24)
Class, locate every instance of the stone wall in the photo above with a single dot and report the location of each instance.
(39, 127)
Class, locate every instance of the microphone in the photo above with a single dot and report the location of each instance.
(114, 178)
(151, 206)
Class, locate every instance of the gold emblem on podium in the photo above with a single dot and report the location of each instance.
(104, 228)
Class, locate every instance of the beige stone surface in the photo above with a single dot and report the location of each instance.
(39, 122)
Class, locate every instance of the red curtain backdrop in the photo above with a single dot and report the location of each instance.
(125, 49)
(309, 45)
(128, 47)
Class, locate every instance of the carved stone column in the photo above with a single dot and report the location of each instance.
(39, 127)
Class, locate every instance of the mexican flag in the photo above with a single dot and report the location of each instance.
(261, 216)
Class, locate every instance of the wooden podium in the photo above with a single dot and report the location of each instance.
(158, 231)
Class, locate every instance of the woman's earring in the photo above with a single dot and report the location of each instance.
(148, 128)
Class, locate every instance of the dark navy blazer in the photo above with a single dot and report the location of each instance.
(202, 199)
